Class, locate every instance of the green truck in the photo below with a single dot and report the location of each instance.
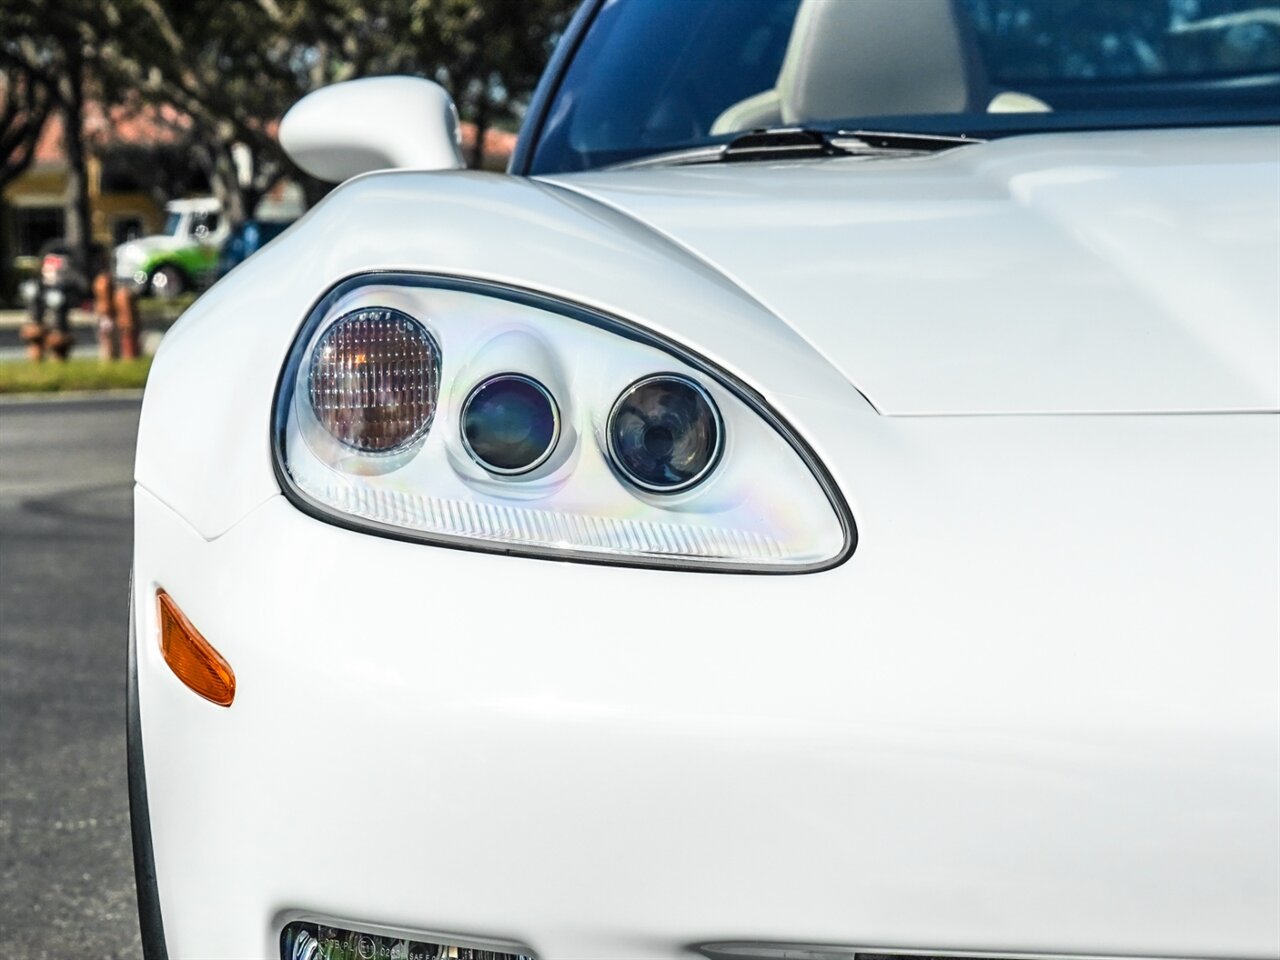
(182, 257)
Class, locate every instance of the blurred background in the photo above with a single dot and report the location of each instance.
(139, 158)
(138, 138)
(138, 162)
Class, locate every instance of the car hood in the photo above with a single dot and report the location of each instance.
(1133, 271)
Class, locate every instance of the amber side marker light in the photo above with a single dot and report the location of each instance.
(191, 657)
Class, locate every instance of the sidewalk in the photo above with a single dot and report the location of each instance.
(12, 348)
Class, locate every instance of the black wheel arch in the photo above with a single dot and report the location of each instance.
(188, 281)
(150, 921)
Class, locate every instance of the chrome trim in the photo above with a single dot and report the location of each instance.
(705, 472)
(746, 950)
(555, 418)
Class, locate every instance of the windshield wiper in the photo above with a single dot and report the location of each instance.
(803, 143)
(779, 143)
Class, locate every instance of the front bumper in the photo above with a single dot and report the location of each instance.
(1044, 733)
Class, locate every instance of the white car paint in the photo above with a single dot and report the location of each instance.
(349, 128)
(1096, 272)
(1034, 712)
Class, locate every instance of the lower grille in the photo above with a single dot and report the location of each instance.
(304, 940)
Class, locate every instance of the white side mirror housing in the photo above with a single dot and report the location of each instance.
(378, 123)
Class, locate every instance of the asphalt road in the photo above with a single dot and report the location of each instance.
(66, 871)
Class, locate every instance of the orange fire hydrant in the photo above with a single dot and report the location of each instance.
(104, 312)
(126, 318)
(33, 334)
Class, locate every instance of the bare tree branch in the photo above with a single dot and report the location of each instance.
(22, 120)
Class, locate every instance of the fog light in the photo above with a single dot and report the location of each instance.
(303, 940)
(374, 380)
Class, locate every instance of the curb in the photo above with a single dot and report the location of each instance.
(66, 396)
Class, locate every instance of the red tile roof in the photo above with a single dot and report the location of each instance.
(166, 124)
(498, 144)
(117, 125)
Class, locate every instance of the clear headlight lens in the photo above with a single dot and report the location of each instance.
(664, 433)
(510, 424)
(471, 415)
(373, 379)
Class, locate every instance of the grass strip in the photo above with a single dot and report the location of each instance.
(158, 312)
(78, 373)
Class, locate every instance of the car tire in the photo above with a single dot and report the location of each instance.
(168, 282)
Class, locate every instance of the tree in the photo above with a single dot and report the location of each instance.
(487, 53)
(225, 66)
(235, 68)
(50, 49)
(24, 108)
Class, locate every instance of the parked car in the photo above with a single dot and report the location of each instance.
(182, 256)
(821, 503)
(246, 240)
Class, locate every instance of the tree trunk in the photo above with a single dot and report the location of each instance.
(78, 229)
(26, 105)
(224, 180)
(483, 114)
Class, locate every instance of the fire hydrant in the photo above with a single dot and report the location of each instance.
(104, 312)
(126, 317)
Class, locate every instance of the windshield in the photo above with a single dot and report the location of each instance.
(655, 76)
(172, 223)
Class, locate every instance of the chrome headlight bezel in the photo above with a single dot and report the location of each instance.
(322, 312)
(616, 456)
(538, 461)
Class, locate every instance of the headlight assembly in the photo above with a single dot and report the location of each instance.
(472, 415)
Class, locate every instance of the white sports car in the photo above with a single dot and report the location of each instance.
(823, 503)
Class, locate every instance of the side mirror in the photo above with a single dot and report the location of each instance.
(378, 123)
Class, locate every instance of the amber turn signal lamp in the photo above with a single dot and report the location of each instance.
(191, 657)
